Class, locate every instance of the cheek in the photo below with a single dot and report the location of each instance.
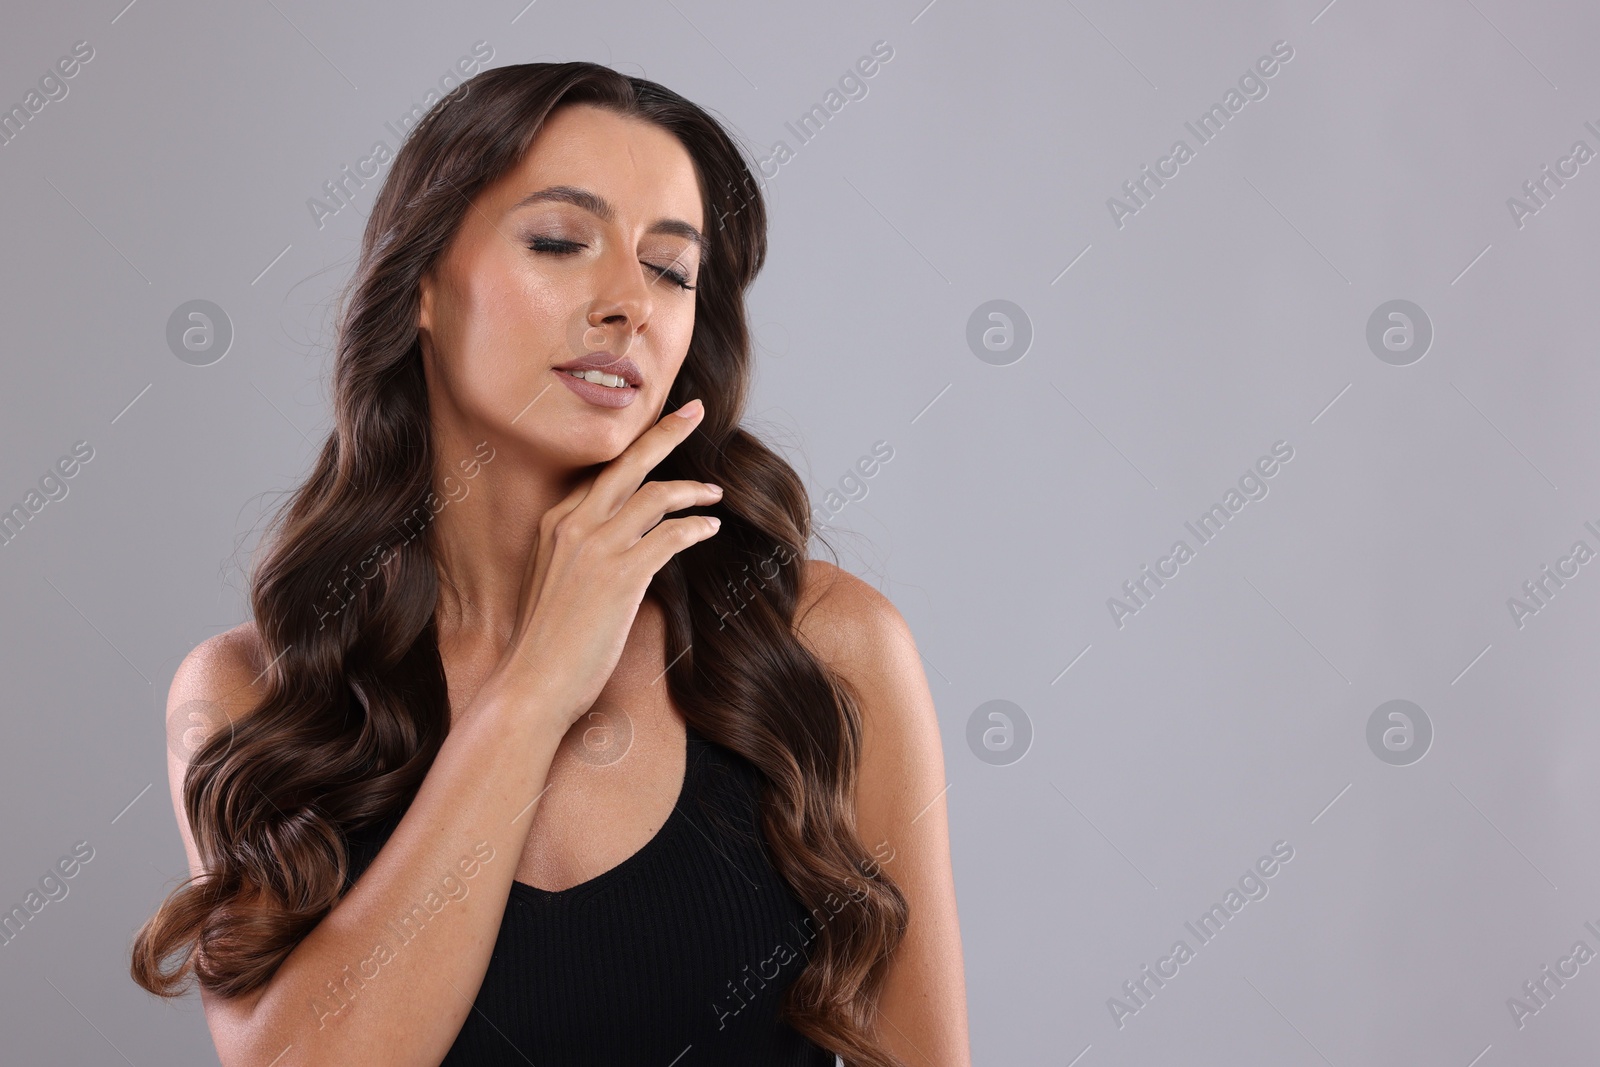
(677, 325)
(507, 331)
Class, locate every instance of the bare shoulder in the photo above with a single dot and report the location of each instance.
(216, 685)
(844, 620)
(861, 637)
(225, 670)
(901, 815)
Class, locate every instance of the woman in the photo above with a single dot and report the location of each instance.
(510, 766)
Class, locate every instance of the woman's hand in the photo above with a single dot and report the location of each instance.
(594, 556)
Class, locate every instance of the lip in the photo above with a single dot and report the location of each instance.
(621, 366)
(602, 395)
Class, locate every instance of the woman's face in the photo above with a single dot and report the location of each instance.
(581, 250)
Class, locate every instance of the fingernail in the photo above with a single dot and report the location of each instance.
(691, 409)
(714, 487)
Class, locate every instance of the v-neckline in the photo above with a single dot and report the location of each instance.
(670, 827)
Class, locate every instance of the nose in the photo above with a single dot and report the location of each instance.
(621, 306)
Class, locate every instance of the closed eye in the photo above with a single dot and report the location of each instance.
(557, 246)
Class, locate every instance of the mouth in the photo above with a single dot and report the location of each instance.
(604, 369)
(602, 379)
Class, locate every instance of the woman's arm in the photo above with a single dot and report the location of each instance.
(337, 999)
(857, 632)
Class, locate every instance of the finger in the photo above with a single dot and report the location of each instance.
(569, 503)
(558, 514)
(622, 477)
(646, 508)
(671, 537)
(544, 547)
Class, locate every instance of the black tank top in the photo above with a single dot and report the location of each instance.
(677, 956)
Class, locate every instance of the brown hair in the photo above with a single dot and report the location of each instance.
(356, 705)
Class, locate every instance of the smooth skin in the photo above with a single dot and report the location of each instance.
(544, 623)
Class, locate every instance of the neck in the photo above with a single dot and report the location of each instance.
(483, 534)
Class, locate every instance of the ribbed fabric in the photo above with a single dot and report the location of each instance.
(677, 956)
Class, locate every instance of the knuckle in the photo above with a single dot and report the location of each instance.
(567, 539)
(579, 548)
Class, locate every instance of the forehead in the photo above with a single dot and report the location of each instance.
(642, 170)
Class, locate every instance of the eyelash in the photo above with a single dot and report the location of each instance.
(560, 247)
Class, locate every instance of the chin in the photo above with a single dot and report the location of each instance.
(589, 449)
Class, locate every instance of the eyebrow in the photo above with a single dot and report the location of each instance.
(601, 208)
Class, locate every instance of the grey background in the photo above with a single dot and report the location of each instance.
(1229, 313)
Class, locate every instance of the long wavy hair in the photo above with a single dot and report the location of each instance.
(356, 705)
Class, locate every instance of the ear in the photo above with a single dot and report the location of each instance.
(425, 303)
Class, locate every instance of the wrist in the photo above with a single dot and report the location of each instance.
(521, 691)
